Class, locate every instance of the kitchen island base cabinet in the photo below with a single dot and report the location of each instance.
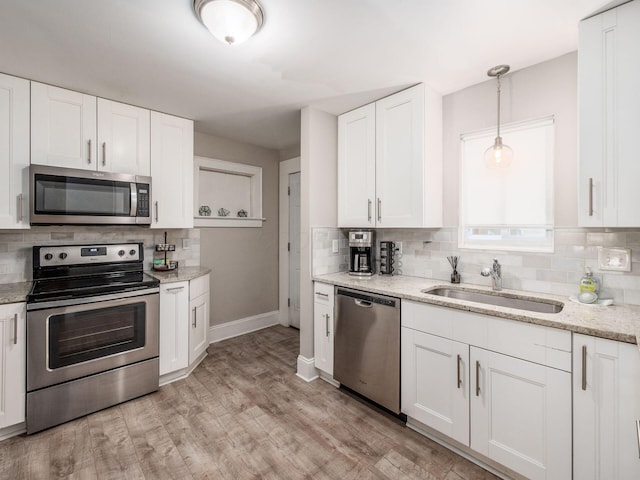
(606, 409)
(13, 369)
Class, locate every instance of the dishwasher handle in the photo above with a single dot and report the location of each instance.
(363, 303)
(368, 298)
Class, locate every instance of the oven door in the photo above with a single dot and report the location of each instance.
(73, 341)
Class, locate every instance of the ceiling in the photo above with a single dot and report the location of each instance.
(332, 54)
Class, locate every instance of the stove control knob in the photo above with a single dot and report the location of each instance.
(121, 253)
(48, 256)
(62, 256)
(132, 252)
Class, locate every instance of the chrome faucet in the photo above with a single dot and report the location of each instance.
(496, 274)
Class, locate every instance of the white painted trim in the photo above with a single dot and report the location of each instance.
(182, 373)
(287, 167)
(13, 431)
(307, 370)
(329, 379)
(239, 327)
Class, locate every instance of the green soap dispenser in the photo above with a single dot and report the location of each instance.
(588, 283)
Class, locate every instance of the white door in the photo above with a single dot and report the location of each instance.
(357, 167)
(521, 414)
(14, 152)
(63, 127)
(606, 407)
(174, 326)
(12, 363)
(172, 171)
(435, 383)
(123, 138)
(294, 250)
(198, 340)
(400, 159)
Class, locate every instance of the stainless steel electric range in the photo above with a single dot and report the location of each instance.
(92, 331)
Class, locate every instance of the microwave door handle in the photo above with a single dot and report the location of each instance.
(134, 200)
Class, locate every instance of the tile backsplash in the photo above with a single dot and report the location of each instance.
(425, 251)
(16, 252)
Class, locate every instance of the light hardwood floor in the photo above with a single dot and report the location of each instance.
(242, 414)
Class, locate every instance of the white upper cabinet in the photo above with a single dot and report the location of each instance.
(123, 138)
(609, 118)
(390, 162)
(14, 152)
(63, 127)
(172, 171)
(74, 130)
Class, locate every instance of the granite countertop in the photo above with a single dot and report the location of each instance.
(616, 322)
(14, 292)
(180, 274)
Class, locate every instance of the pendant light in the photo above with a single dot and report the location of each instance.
(230, 21)
(498, 154)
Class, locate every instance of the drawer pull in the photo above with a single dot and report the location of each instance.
(326, 324)
(477, 378)
(638, 435)
(584, 367)
(591, 197)
(174, 289)
(320, 294)
(104, 154)
(369, 210)
(379, 210)
(459, 379)
(89, 149)
(15, 328)
(195, 318)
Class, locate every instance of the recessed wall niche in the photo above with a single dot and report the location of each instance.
(227, 187)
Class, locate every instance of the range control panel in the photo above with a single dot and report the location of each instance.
(87, 254)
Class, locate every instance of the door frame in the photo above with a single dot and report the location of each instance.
(287, 167)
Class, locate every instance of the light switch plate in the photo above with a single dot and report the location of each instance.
(335, 246)
(186, 243)
(616, 259)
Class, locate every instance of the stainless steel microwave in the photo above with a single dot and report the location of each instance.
(69, 196)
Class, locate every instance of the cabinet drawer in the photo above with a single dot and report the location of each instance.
(198, 286)
(535, 343)
(323, 293)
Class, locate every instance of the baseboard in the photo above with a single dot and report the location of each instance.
(235, 328)
(182, 373)
(13, 431)
(307, 369)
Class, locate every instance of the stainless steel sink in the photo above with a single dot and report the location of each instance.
(498, 299)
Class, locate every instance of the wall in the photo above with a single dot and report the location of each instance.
(16, 245)
(244, 261)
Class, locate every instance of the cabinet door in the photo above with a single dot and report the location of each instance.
(63, 127)
(199, 327)
(13, 368)
(606, 407)
(356, 167)
(14, 152)
(172, 171)
(323, 322)
(174, 326)
(123, 138)
(521, 414)
(435, 383)
(609, 118)
(400, 159)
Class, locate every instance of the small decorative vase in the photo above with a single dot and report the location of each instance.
(455, 277)
(242, 213)
(204, 211)
(223, 212)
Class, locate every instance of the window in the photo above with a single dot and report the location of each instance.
(508, 208)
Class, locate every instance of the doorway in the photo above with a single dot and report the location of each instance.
(294, 250)
(289, 242)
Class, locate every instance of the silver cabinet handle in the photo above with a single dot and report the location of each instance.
(584, 367)
(195, 317)
(363, 303)
(155, 204)
(89, 156)
(15, 329)
(591, 197)
(320, 294)
(20, 207)
(104, 153)
(369, 210)
(379, 209)
(174, 289)
(638, 434)
(326, 324)
(459, 378)
(477, 378)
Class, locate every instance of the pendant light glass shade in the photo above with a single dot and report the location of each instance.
(230, 21)
(498, 155)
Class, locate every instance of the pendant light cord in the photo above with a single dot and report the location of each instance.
(498, 78)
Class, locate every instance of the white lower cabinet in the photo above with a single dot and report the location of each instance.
(606, 409)
(13, 369)
(174, 326)
(199, 311)
(323, 326)
(461, 377)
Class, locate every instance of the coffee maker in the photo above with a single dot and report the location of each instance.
(361, 245)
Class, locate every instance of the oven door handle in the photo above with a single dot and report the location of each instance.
(96, 299)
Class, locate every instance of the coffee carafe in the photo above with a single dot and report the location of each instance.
(361, 253)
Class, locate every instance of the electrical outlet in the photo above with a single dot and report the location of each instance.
(617, 259)
(186, 243)
(335, 246)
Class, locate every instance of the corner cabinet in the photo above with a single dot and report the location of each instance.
(14, 152)
(609, 118)
(390, 162)
(323, 321)
(500, 388)
(199, 312)
(606, 409)
(13, 369)
(171, 171)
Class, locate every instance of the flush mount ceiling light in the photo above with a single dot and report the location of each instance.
(230, 21)
(498, 154)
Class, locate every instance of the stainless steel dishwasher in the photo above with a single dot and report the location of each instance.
(367, 346)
